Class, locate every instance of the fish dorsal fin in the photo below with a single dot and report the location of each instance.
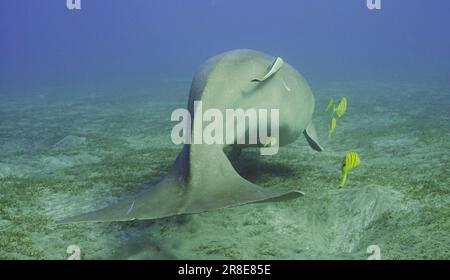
(311, 136)
(276, 65)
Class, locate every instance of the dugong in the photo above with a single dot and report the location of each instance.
(202, 177)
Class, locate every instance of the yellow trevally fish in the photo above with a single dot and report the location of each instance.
(341, 107)
(271, 142)
(332, 126)
(350, 161)
(330, 104)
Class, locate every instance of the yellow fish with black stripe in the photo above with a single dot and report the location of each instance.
(330, 104)
(349, 162)
(341, 107)
(332, 126)
(272, 141)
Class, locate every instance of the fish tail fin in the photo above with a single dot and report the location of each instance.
(344, 179)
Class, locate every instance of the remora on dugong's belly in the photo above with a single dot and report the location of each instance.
(202, 177)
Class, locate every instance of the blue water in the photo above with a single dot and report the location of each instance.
(43, 44)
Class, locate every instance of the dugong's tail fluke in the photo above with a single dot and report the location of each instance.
(193, 185)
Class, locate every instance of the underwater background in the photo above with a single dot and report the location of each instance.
(85, 103)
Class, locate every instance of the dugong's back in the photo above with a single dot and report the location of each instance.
(225, 82)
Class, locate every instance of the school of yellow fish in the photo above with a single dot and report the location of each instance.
(339, 109)
(351, 159)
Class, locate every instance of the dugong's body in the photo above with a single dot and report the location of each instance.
(202, 178)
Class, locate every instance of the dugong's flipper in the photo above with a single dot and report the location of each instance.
(201, 179)
(311, 136)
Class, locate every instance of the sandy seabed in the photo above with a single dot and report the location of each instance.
(65, 155)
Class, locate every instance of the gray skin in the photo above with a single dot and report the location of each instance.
(202, 177)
